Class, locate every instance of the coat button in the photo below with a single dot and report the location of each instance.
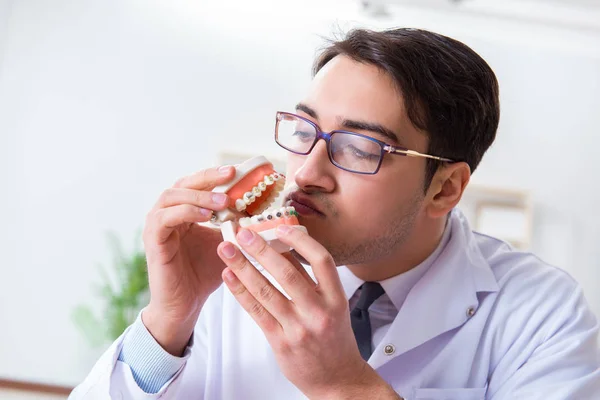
(470, 311)
(389, 349)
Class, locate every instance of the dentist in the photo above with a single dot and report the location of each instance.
(396, 297)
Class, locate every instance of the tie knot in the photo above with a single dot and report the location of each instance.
(370, 291)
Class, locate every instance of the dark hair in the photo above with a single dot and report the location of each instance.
(449, 91)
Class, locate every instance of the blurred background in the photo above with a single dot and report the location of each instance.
(103, 104)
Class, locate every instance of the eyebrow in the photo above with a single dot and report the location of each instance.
(353, 124)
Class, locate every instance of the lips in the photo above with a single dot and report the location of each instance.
(302, 201)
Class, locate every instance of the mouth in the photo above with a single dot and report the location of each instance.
(303, 205)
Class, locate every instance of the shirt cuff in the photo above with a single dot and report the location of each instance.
(150, 364)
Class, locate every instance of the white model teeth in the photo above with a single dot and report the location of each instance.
(244, 222)
(248, 198)
(283, 212)
(266, 215)
(272, 178)
(240, 205)
(260, 187)
(273, 197)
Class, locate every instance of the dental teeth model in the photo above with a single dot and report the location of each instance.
(255, 204)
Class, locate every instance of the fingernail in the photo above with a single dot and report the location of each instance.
(224, 170)
(205, 212)
(219, 198)
(228, 250)
(245, 236)
(284, 229)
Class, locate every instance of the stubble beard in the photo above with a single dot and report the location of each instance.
(374, 247)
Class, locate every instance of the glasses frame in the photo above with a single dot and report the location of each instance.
(386, 148)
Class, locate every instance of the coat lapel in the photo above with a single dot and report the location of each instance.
(440, 301)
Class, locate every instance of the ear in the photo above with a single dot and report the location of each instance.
(446, 188)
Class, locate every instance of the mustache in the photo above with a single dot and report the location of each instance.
(320, 198)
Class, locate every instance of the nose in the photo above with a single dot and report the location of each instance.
(316, 172)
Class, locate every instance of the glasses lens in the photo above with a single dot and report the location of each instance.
(294, 133)
(355, 153)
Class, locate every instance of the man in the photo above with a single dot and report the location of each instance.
(419, 307)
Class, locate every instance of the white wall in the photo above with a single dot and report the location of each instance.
(104, 104)
(5, 7)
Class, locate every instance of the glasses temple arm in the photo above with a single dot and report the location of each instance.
(412, 153)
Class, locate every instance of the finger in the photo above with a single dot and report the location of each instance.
(285, 273)
(317, 256)
(290, 257)
(257, 311)
(177, 196)
(207, 179)
(256, 283)
(162, 222)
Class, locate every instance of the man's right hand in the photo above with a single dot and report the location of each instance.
(183, 265)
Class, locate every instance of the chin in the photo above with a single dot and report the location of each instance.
(317, 229)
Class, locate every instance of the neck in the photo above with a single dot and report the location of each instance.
(421, 243)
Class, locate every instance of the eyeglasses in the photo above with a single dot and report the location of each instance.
(349, 151)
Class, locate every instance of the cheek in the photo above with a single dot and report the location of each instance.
(363, 199)
(378, 201)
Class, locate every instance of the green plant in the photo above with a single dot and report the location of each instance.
(123, 296)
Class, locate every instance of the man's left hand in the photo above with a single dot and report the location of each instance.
(310, 334)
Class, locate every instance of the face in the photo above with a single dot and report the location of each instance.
(361, 218)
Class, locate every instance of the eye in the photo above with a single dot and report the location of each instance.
(363, 155)
(304, 136)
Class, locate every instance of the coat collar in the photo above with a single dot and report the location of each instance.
(441, 298)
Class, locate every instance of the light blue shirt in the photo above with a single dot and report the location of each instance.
(479, 321)
(150, 364)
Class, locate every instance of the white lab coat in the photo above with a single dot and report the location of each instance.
(484, 322)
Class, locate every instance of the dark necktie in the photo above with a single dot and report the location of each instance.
(359, 316)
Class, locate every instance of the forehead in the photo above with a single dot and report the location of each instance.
(345, 88)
